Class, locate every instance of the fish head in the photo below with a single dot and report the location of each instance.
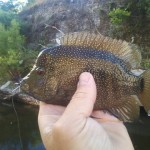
(35, 82)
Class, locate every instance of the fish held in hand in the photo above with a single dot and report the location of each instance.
(54, 76)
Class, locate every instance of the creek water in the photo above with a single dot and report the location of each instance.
(140, 131)
(30, 136)
(29, 132)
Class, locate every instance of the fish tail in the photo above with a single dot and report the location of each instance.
(144, 94)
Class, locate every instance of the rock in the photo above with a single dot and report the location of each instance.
(5, 85)
(9, 91)
(66, 16)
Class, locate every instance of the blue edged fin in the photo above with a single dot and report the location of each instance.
(128, 112)
(122, 49)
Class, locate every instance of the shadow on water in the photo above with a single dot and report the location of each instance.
(9, 136)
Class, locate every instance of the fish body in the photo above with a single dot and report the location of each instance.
(55, 74)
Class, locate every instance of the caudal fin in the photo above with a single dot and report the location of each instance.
(144, 95)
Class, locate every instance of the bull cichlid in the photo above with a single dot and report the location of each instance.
(55, 74)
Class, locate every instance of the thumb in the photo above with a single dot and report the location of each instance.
(84, 98)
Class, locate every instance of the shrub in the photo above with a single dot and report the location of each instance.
(6, 17)
(118, 15)
(13, 55)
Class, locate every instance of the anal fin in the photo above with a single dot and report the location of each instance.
(128, 112)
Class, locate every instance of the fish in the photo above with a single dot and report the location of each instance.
(55, 74)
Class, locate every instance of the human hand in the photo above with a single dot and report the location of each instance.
(72, 128)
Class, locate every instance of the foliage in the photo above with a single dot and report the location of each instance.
(119, 15)
(133, 24)
(25, 28)
(136, 24)
(10, 38)
(6, 17)
(15, 59)
(12, 6)
(9, 11)
(8, 6)
(146, 63)
(30, 3)
(13, 56)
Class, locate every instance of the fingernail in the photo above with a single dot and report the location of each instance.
(84, 78)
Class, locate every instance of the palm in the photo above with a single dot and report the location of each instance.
(107, 129)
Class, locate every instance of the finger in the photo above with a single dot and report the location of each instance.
(84, 98)
(48, 109)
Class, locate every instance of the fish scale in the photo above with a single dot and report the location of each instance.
(58, 70)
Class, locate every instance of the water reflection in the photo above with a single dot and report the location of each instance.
(9, 136)
(140, 132)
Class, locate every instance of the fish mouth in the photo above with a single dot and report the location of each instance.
(25, 88)
(33, 95)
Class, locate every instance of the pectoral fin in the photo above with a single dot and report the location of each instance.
(128, 112)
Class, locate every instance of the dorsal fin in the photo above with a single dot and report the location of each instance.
(120, 48)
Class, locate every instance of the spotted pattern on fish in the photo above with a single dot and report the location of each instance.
(85, 53)
(54, 76)
(62, 66)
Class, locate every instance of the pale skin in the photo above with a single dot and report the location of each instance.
(78, 127)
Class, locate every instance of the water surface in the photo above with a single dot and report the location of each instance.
(29, 132)
(140, 132)
(30, 136)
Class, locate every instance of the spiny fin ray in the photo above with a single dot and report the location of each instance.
(128, 112)
(126, 51)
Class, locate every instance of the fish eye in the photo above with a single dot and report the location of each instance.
(40, 71)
